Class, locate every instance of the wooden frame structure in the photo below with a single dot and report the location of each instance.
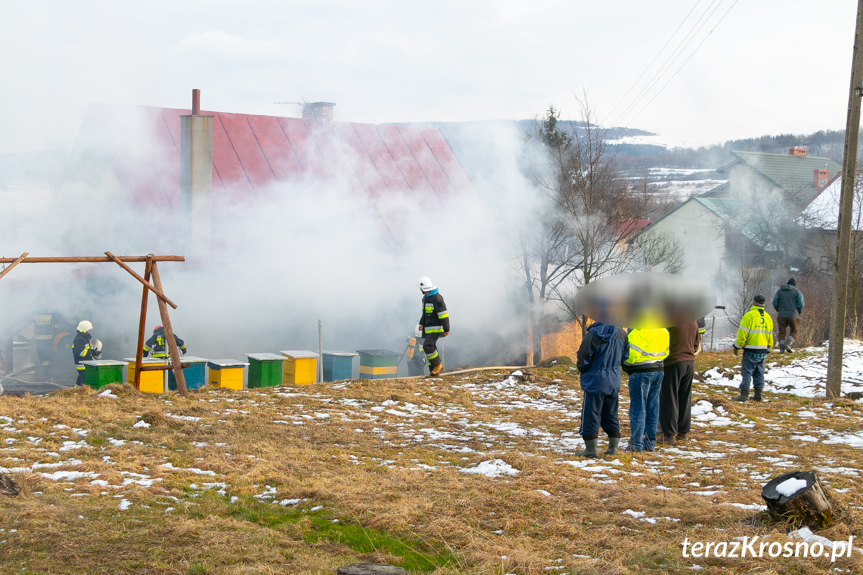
(150, 271)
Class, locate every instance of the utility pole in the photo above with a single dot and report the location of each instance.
(846, 208)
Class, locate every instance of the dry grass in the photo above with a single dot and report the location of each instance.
(305, 479)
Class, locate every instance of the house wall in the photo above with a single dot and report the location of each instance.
(703, 238)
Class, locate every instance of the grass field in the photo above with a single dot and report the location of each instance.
(472, 473)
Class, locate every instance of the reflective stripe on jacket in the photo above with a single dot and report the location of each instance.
(81, 350)
(647, 349)
(435, 317)
(756, 330)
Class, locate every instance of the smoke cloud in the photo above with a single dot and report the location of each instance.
(294, 254)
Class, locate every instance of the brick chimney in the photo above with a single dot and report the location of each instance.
(820, 178)
(797, 151)
(321, 113)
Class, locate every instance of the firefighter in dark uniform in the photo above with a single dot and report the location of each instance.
(84, 348)
(157, 346)
(434, 323)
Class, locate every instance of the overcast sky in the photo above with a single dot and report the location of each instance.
(697, 71)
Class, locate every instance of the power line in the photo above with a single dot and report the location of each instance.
(694, 31)
(637, 80)
(683, 64)
(670, 59)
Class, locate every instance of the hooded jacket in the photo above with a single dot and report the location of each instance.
(599, 357)
(788, 301)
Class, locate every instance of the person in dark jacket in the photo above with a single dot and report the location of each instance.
(434, 323)
(602, 351)
(157, 345)
(84, 348)
(675, 395)
(788, 303)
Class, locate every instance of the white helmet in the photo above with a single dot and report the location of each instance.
(95, 345)
(426, 284)
(85, 326)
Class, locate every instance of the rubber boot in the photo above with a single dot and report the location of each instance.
(781, 346)
(590, 449)
(612, 445)
(788, 342)
(744, 396)
(757, 396)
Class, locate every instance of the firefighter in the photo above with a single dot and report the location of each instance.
(434, 323)
(157, 346)
(84, 348)
(755, 338)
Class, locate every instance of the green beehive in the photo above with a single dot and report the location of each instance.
(265, 369)
(378, 363)
(102, 372)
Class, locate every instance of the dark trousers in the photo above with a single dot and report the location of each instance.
(675, 398)
(786, 323)
(80, 375)
(430, 349)
(599, 411)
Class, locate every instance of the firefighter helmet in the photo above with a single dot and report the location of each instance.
(426, 284)
(96, 345)
(84, 326)
(157, 328)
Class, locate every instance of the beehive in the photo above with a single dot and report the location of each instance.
(195, 375)
(337, 365)
(378, 363)
(265, 369)
(226, 373)
(150, 381)
(300, 366)
(102, 372)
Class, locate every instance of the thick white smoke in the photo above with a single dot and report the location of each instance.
(284, 259)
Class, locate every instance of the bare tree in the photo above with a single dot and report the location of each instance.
(591, 213)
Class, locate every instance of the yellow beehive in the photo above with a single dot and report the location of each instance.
(300, 366)
(151, 381)
(226, 373)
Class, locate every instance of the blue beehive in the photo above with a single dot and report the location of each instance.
(338, 365)
(195, 374)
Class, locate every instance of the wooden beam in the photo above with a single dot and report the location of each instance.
(157, 291)
(139, 353)
(169, 337)
(14, 263)
(95, 259)
(157, 367)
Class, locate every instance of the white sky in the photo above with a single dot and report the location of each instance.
(743, 68)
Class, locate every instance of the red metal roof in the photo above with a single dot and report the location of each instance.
(251, 153)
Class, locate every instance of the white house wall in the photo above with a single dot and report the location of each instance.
(701, 235)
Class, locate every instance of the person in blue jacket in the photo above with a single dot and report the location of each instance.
(603, 350)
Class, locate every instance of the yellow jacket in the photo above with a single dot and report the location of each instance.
(756, 330)
(647, 349)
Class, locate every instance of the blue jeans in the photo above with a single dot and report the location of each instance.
(752, 369)
(644, 409)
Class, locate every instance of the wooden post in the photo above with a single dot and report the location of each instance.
(139, 355)
(157, 291)
(846, 208)
(13, 264)
(808, 505)
(169, 335)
